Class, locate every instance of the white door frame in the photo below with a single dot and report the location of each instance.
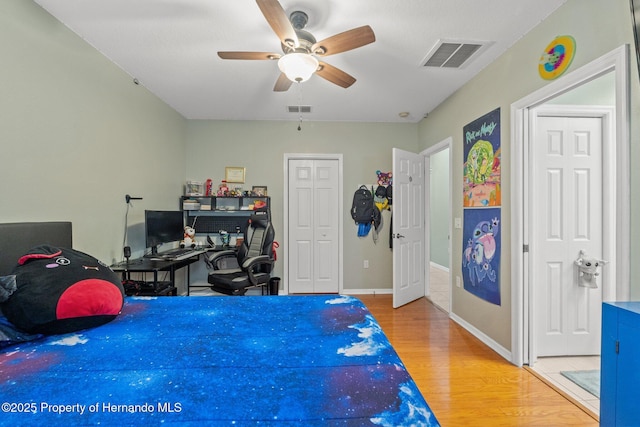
(285, 210)
(434, 149)
(616, 61)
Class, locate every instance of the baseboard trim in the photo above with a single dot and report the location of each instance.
(367, 291)
(439, 266)
(482, 337)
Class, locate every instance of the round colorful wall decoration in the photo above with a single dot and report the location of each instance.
(557, 57)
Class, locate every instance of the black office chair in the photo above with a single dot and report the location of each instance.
(255, 260)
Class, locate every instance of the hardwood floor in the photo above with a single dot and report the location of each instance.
(465, 382)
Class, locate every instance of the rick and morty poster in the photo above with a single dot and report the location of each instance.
(481, 179)
(481, 243)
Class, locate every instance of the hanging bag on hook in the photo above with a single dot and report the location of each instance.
(363, 210)
(362, 206)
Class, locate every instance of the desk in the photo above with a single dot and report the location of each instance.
(148, 265)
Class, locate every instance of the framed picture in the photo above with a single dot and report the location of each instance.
(234, 174)
(259, 191)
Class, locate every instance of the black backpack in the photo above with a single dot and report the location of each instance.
(362, 208)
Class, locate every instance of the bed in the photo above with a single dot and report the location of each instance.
(267, 360)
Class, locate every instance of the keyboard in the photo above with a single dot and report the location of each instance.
(177, 254)
(188, 254)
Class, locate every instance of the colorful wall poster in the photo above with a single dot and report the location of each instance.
(557, 57)
(481, 253)
(481, 181)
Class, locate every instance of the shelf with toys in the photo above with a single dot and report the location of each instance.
(224, 204)
(222, 218)
(221, 215)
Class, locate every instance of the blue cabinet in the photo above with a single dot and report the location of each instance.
(620, 364)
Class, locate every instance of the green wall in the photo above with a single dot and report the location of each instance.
(439, 215)
(76, 135)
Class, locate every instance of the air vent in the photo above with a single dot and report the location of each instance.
(299, 108)
(450, 54)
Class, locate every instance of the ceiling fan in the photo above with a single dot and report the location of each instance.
(299, 61)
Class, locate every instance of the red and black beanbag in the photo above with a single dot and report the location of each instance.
(62, 290)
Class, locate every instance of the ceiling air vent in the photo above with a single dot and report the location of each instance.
(299, 108)
(450, 54)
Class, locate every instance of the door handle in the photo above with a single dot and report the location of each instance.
(398, 236)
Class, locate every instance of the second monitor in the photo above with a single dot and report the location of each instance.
(162, 227)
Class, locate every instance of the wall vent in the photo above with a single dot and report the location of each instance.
(452, 54)
(299, 108)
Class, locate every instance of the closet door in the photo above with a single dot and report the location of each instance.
(314, 229)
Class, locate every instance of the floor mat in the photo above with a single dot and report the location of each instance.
(588, 380)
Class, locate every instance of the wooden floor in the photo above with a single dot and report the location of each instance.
(464, 381)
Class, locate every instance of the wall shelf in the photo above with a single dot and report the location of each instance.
(211, 214)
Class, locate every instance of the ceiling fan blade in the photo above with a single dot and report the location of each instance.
(249, 55)
(342, 42)
(282, 84)
(335, 75)
(279, 21)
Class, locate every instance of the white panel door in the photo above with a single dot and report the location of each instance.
(313, 226)
(408, 224)
(567, 204)
(301, 227)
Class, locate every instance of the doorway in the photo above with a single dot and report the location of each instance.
(313, 219)
(438, 223)
(422, 214)
(615, 228)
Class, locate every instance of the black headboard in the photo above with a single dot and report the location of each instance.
(17, 238)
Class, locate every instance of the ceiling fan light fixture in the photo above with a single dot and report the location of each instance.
(298, 67)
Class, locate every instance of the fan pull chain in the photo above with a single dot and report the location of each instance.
(300, 105)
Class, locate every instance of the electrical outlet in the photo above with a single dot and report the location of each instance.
(365, 264)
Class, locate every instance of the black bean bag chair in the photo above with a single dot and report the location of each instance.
(59, 290)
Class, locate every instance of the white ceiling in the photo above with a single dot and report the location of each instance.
(170, 47)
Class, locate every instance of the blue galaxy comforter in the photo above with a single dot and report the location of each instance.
(285, 361)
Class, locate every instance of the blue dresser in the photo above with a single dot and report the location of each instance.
(620, 364)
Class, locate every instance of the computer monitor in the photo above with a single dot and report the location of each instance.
(162, 227)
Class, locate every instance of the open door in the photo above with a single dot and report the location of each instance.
(408, 224)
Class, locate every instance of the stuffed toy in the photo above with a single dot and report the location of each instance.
(588, 270)
(189, 239)
(61, 290)
(384, 178)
